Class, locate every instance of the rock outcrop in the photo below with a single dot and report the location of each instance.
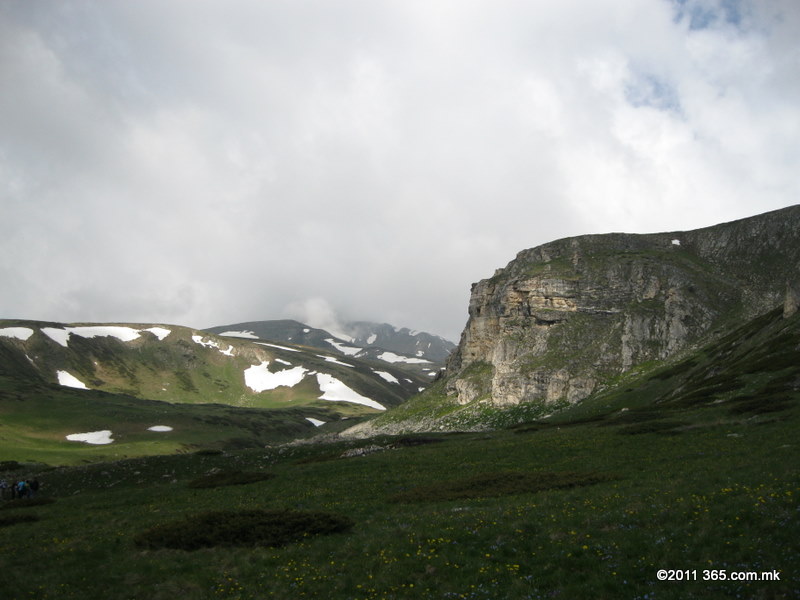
(564, 319)
(792, 301)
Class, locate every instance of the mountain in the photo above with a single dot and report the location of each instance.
(179, 365)
(570, 319)
(414, 351)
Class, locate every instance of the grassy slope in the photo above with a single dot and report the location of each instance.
(699, 474)
(179, 370)
(35, 418)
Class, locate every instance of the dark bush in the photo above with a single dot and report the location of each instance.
(224, 478)
(506, 483)
(26, 502)
(14, 519)
(409, 441)
(9, 465)
(242, 528)
(209, 452)
(759, 405)
(639, 415)
(666, 427)
(679, 369)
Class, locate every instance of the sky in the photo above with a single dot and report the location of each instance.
(202, 163)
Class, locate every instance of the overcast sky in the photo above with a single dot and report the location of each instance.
(201, 162)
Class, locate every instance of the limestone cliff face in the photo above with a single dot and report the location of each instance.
(564, 318)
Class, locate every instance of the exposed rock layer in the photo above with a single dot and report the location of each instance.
(564, 318)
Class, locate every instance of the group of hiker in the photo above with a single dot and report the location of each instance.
(24, 488)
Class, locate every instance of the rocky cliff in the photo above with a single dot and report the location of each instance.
(565, 319)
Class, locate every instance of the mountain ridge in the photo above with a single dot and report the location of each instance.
(571, 318)
(418, 351)
(180, 364)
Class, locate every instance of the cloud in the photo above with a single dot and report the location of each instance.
(206, 163)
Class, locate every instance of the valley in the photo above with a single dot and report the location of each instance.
(605, 418)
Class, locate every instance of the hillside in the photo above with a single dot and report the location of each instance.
(414, 351)
(572, 319)
(690, 468)
(121, 363)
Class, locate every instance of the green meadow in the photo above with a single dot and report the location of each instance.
(679, 481)
(575, 510)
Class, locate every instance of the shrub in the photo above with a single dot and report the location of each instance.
(209, 452)
(242, 528)
(409, 441)
(666, 427)
(9, 465)
(14, 519)
(223, 478)
(498, 484)
(26, 502)
(759, 405)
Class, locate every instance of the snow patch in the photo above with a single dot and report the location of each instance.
(258, 378)
(70, 380)
(278, 347)
(92, 437)
(334, 390)
(159, 332)
(159, 428)
(371, 339)
(198, 339)
(391, 357)
(348, 350)
(676, 242)
(20, 333)
(387, 376)
(331, 359)
(248, 335)
(315, 422)
(283, 362)
(57, 335)
(126, 334)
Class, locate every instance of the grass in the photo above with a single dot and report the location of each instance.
(615, 509)
(25, 503)
(224, 478)
(241, 528)
(503, 483)
(8, 520)
(678, 469)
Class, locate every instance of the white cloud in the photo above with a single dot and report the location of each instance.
(201, 163)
